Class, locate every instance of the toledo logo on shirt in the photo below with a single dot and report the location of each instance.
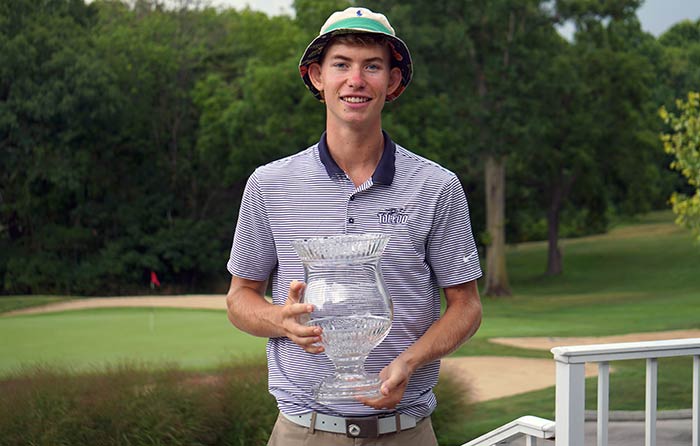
(393, 216)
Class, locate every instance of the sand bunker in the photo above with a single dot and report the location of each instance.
(492, 377)
(547, 343)
(207, 302)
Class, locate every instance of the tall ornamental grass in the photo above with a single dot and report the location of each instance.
(132, 405)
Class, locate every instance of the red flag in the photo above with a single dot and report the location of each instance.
(154, 279)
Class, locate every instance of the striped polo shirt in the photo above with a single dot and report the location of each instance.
(419, 203)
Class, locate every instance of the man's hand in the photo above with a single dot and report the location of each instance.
(394, 378)
(306, 337)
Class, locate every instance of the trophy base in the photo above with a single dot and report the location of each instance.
(347, 388)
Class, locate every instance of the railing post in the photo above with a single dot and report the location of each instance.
(696, 400)
(603, 402)
(650, 418)
(570, 404)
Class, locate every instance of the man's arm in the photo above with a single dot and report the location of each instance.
(249, 311)
(459, 322)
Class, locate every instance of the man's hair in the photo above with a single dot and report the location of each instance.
(358, 39)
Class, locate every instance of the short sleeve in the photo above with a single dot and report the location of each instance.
(451, 250)
(253, 254)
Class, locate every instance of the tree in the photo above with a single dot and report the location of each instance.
(593, 110)
(56, 103)
(683, 142)
(474, 68)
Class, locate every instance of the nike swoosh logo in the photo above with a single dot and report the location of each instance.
(465, 259)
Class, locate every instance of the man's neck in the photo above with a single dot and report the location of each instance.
(356, 152)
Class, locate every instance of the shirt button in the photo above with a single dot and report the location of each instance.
(352, 198)
(351, 220)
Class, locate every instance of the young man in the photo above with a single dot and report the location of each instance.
(356, 180)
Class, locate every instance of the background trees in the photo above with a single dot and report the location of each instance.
(127, 130)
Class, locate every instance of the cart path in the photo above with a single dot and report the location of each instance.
(485, 377)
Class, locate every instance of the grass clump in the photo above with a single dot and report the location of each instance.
(134, 405)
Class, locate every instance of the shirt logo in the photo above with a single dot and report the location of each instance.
(466, 259)
(393, 216)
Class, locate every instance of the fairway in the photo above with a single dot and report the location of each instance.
(85, 339)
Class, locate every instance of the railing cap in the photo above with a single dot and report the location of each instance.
(626, 350)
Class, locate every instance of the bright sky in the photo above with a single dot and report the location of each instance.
(656, 15)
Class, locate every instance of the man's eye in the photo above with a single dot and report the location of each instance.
(340, 65)
(372, 67)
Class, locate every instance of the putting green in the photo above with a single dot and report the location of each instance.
(94, 338)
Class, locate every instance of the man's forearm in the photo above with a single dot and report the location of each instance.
(460, 321)
(250, 312)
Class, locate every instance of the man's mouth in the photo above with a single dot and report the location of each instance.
(354, 99)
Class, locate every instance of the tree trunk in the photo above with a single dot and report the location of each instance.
(554, 259)
(495, 181)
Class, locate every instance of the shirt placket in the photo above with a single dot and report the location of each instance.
(353, 223)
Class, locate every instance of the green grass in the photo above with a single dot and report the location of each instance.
(637, 278)
(197, 339)
(11, 303)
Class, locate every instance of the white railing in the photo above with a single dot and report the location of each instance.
(570, 385)
(570, 393)
(532, 428)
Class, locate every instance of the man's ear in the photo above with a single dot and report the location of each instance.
(315, 76)
(394, 80)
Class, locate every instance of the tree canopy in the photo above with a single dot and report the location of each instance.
(128, 129)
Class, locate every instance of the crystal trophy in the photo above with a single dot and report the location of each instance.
(352, 306)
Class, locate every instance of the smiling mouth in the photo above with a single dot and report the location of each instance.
(354, 99)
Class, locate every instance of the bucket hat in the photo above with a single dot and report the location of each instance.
(355, 20)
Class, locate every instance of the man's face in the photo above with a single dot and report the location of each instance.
(355, 80)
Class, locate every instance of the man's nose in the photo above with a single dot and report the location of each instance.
(356, 78)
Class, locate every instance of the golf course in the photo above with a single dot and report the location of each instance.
(643, 276)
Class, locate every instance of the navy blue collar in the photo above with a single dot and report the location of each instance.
(383, 174)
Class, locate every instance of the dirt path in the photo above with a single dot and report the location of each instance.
(487, 377)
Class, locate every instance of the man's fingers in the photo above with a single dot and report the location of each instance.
(293, 309)
(296, 289)
(311, 344)
(380, 403)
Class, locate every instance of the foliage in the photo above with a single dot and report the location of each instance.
(134, 405)
(683, 142)
(128, 129)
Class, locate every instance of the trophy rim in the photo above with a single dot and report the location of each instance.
(324, 249)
